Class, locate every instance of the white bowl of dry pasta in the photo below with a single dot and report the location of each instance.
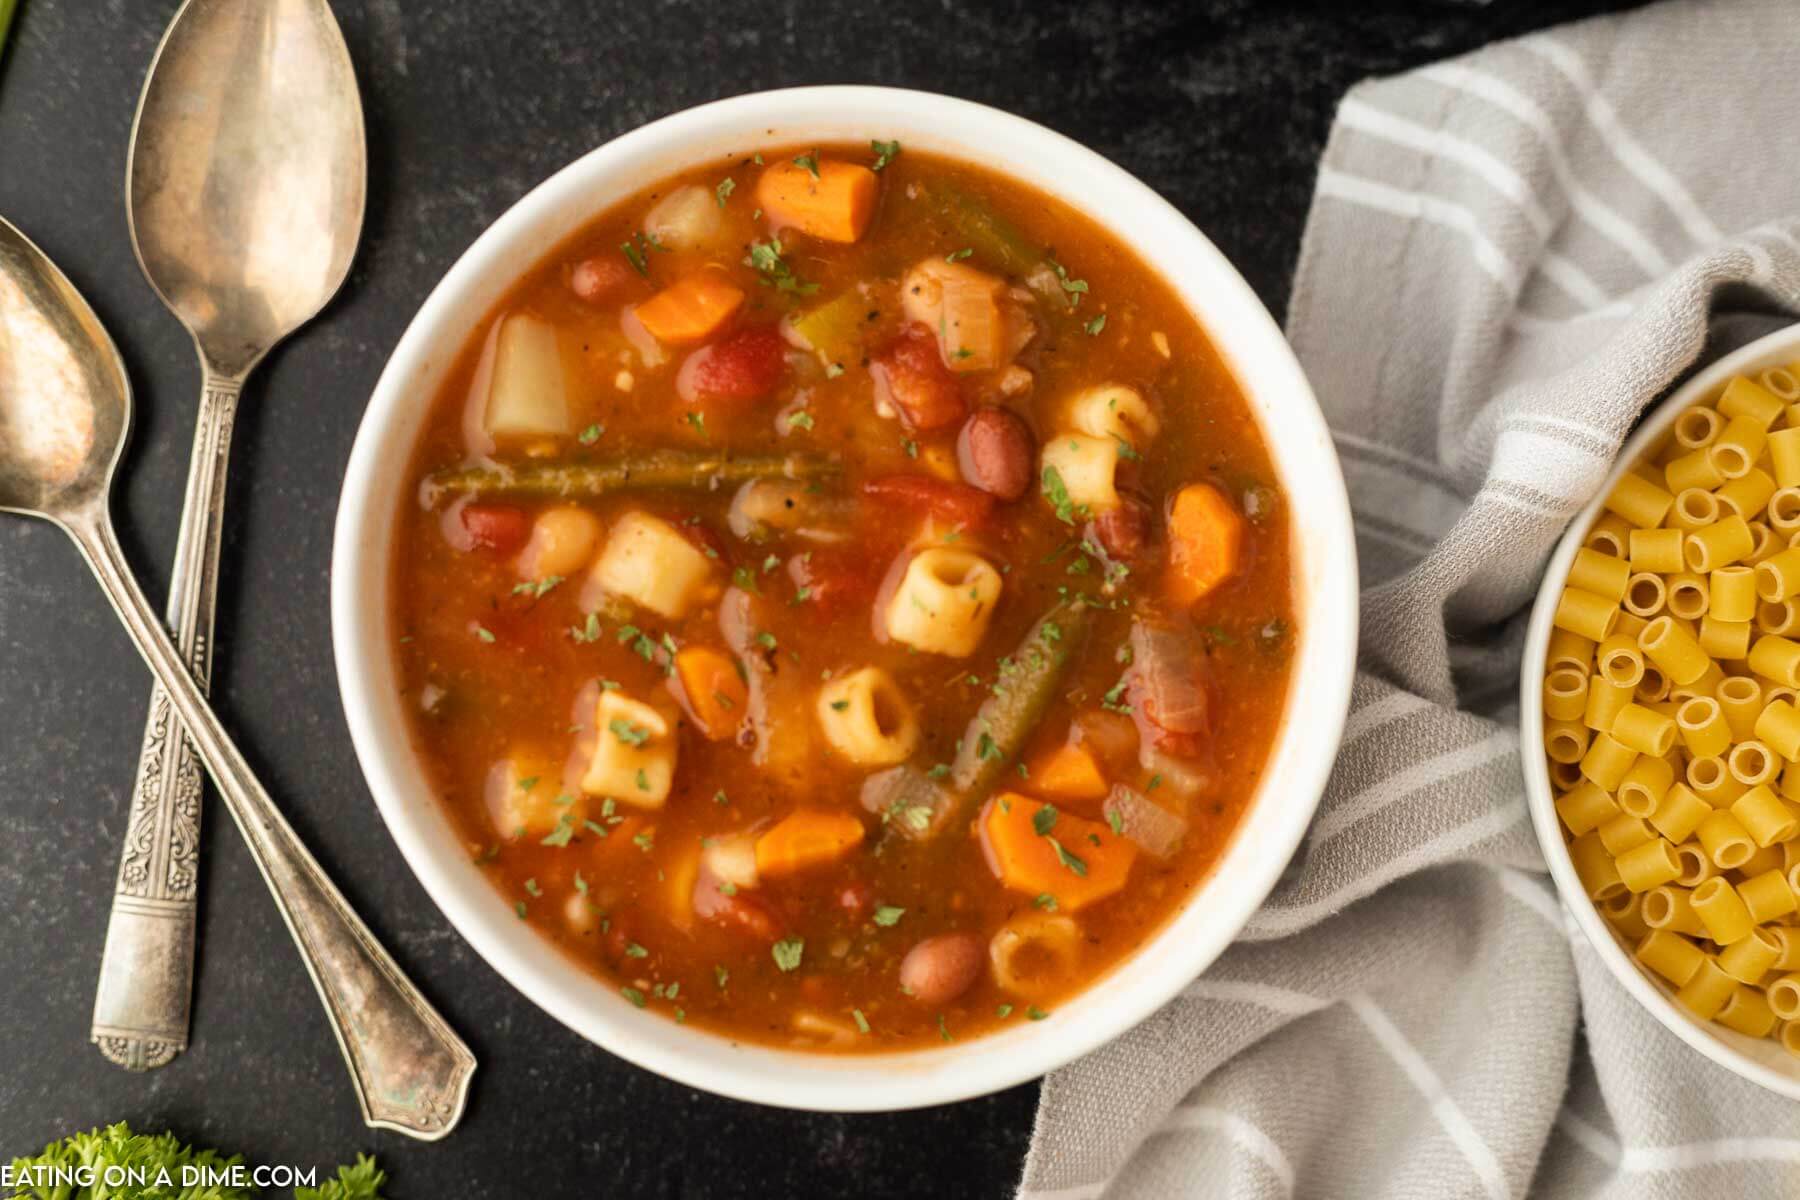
(1662, 679)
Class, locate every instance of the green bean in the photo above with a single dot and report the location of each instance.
(656, 469)
(915, 802)
(1027, 686)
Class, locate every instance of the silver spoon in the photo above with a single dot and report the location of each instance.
(245, 193)
(65, 410)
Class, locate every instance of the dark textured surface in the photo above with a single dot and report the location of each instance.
(1222, 106)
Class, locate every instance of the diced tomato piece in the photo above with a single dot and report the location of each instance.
(910, 375)
(498, 528)
(595, 279)
(956, 503)
(737, 369)
(836, 581)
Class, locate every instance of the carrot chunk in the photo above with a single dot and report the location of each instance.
(1036, 848)
(1066, 772)
(690, 309)
(836, 203)
(805, 839)
(1206, 540)
(707, 683)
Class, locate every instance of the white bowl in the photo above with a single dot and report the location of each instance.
(1324, 581)
(1759, 1060)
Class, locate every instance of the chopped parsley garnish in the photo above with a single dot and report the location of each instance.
(987, 749)
(527, 783)
(1113, 701)
(1094, 326)
(1075, 289)
(720, 975)
(943, 1029)
(633, 995)
(887, 915)
(766, 640)
(635, 257)
(800, 420)
(958, 255)
(1044, 820)
(589, 632)
(719, 797)
(565, 829)
(862, 1022)
(839, 705)
(625, 731)
(1068, 860)
(643, 780)
(885, 153)
(724, 189)
(536, 589)
(633, 950)
(532, 888)
(1057, 493)
(590, 435)
(809, 160)
(1115, 820)
(1045, 901)
(765, 258)
(1155, 782)
(911, 447)
(481, 631)
(787, 953)
(1036, 1013)
(1003, 1011)
(519, 907)
(645, 841)
(698, 421)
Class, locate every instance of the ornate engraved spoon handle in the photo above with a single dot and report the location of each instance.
(147, 969)
(410, 1069)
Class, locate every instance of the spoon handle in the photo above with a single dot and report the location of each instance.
(410, 1070)
(142, 1002)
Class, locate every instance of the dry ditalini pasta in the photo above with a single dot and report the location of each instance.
(1672, 708)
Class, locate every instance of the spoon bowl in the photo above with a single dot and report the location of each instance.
(64, 400)
(247, 177)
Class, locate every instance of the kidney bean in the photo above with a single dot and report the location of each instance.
(941, 968)
(739, 368)
(1124, 531)
(498, 528)
(594, 279)
(995, 451)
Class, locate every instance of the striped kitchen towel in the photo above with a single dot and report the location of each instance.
(1509, 256)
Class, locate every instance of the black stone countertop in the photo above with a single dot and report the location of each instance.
(1221, 105)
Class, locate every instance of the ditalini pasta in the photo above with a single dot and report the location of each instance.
(1671, 693)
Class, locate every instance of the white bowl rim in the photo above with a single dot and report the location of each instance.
(1251, 344)
(1724, 1046)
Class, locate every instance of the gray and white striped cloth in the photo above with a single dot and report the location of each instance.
(1509, 256)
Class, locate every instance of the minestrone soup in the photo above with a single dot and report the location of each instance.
(847, 603)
